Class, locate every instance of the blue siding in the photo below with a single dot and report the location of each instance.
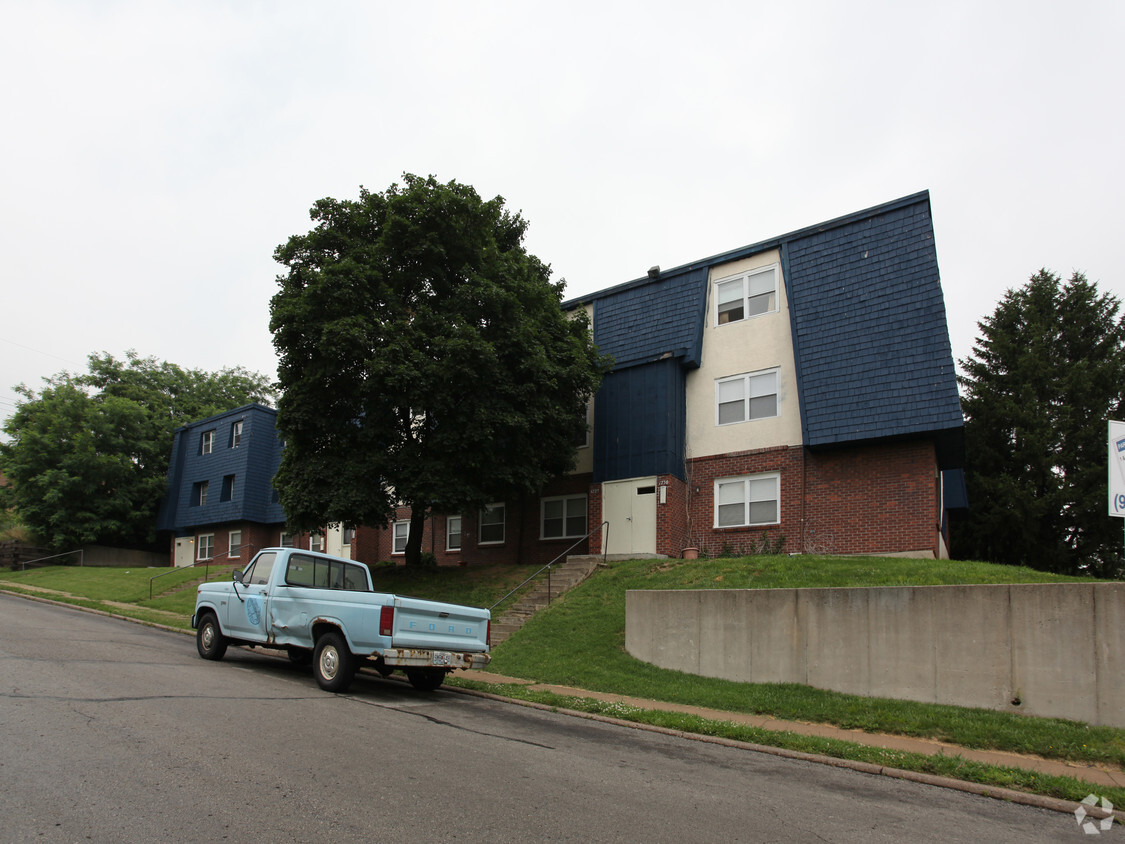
(253, 464)
(869, 329)
(639, 415)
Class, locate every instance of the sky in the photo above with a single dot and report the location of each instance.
(154, 154)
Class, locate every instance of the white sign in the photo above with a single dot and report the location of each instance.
(1117, 469)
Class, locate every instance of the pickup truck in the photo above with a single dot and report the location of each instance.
(323, 609)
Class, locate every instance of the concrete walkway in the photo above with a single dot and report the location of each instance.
(1095, 775)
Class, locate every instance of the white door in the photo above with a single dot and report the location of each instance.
(185, 550)
(630, 509)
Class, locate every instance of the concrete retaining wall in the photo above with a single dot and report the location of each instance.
(1055, 650)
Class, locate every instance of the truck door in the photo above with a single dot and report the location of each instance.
(248, 618)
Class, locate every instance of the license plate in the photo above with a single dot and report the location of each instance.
(442, 658)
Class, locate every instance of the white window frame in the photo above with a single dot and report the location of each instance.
(752, 487)
(285, 540)
(566, 517)
(727, 392)
(236, 434)
(748, 288)
(503, 509)
(199, 493)
(449, 533)
(207, 539)
(207, 442)
(403, 526)
(316, 542)
(234, 545)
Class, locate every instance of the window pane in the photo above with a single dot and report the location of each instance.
(762, 283)
(731, 514)
(763, 408)
(262, 568)
(492, 523)
(732, 412)
(732, 406)
(730, 302)
(402, 533)
(300, 571)
(354, 580)
(731, 492)
(763, 512)
(762, 304)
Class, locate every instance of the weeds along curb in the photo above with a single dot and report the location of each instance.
(1038, 801)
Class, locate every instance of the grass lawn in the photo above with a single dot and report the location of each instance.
(579, 641)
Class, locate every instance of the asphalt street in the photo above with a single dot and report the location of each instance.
(116, 732)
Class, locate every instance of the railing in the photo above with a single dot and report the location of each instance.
(80, 552)
(205, 563)
(605, 544)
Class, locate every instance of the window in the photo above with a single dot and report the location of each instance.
(199, 494)
(316, 542)
(563, 517)
(749, 500)
(286, 540)
(349, 533)
(236, 434)
(746, 295)
(492, 524)
(452, 533)
(258, 572)
(582, 434)
(227, 492)
(205, 546)
(402, 534)
(234, 544)
(743, 397)
(319, 573)
(206, 442)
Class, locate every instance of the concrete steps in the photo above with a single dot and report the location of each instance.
(563, 577)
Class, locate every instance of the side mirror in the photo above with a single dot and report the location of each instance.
(236, 576)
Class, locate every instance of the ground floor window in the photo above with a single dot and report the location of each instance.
(316, 542)
(234, 544)
(492, 524)
(205, 546)
(748, 500)
(562, 517)
(452, 533)
(401, 535)
(286, 540)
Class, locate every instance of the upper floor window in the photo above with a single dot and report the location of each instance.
(236, 434)
(199, 493)
(749, 500)
(743, 397)
(746, 295)
(492, 524)
(227, 492)
(452, 533)
(207, 442)
(563, 517)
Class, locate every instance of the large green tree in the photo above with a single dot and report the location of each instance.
(88, 456)
(1047, 372)
(424, 359)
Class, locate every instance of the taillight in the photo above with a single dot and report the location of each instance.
(386, 620)
(488, 634)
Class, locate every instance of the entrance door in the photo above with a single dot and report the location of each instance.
(630, 508)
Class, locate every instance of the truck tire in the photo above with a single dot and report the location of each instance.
(425, 679)
(333, 664)
(209, 639)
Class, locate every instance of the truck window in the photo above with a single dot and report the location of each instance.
(300, 570)
(354, 579)
(258, 572)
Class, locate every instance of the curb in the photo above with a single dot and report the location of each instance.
(1038, 801)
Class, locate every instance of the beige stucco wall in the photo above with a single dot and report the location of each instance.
(1058, 649)
(749, 345)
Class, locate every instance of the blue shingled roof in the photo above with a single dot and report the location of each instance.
(870, 337)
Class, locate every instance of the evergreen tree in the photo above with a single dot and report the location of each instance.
(1046, 374)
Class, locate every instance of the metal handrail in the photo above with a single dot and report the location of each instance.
(81, 552)
(577, 542)
(205, 563)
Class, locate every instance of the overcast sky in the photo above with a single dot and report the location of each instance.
(154, 153)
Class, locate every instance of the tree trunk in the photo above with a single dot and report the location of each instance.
(414, 540)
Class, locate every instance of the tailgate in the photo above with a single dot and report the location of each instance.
(440, 627)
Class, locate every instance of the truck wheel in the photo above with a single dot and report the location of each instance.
(209, 639)
(333, 664)
(425, 679)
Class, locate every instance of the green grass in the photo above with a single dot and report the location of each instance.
(580, 641)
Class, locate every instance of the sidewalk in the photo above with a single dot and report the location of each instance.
(1095, 775)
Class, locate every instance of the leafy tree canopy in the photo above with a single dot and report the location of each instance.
(424, 359)
(1046, 374)
(88, 455)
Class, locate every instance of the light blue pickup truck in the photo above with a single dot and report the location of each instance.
(323, 610)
